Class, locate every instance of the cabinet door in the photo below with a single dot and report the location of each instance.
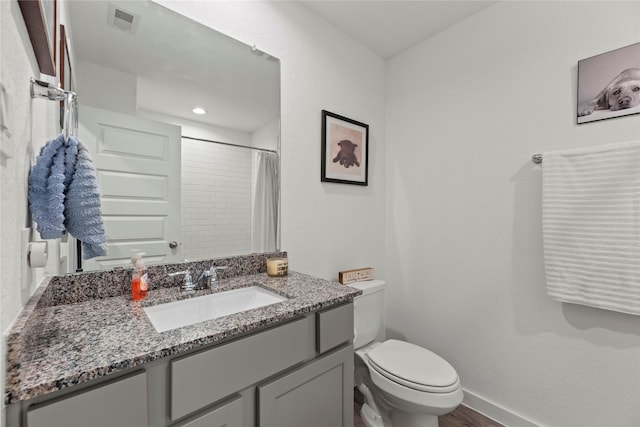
(121, 403)
(334, 327)
(319, 394)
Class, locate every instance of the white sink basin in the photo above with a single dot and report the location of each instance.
(177, 314)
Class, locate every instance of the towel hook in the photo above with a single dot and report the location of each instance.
(70, 110)
(42, 89)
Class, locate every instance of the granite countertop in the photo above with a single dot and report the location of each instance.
(51, 347)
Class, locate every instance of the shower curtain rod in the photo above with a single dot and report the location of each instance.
(230, 144)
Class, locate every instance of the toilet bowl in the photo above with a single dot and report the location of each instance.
(404, 385)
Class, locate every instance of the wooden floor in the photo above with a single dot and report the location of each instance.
(462, 416)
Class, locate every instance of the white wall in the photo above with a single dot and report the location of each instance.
(31, 123)
(103, 87)
(466, 109)
(325, 227)
(267, 135)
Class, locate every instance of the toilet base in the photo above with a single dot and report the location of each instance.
(370, 417)
(398, 418)
(406, 419)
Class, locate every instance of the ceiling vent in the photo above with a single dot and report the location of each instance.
(123, 20)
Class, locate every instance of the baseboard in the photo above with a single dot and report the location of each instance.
(495, 412)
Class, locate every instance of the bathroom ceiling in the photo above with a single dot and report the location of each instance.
(390, 27)
(385, 27)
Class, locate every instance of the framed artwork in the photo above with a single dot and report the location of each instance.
(609, 85)
(345, 150)
(40, 17)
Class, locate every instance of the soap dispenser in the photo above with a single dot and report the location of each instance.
(139, 277)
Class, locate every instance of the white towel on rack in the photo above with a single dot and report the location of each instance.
(591, 226)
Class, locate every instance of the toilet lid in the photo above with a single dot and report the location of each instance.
(414, 366)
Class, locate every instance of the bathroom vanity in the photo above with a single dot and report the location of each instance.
(100, 362)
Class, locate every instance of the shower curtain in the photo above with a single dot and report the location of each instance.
(265, 207)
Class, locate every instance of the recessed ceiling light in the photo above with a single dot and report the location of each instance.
(198, 110)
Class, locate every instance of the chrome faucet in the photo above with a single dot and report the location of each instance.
(207, 279)
(188, 285)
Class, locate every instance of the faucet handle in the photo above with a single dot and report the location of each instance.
(188, 280)
(213, 273)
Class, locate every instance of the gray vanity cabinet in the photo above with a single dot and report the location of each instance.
(211, 375)
(122, 402)
(312, 396)
(299, 373)
(309, 362)
(318, 394)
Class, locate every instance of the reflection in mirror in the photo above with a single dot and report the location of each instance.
(175, 184)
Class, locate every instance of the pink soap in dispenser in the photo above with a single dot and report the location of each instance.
(139, 278)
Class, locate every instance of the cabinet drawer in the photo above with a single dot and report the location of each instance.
(208, 376)
(120, 403)
(334, 327)
(227, 415)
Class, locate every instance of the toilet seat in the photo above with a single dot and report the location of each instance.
(414, 367)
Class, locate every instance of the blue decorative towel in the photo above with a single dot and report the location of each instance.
(71, 152)
(82, 213)
(63, 194)
(46, 190)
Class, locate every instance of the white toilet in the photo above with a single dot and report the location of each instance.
(403, 385)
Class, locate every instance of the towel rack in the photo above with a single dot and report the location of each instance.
(42, 89)
(536, 158)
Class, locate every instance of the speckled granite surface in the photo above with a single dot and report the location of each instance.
(59, 341)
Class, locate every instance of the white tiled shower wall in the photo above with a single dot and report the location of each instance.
(216, 199)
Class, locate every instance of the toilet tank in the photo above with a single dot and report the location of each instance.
(367, 311)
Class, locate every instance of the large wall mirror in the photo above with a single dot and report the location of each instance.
(175, 184)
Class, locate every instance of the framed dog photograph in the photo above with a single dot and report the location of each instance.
(345, 150)
(609, 85)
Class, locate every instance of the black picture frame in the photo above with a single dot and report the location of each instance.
(609, 85)
(345, 150)
(41, 20)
